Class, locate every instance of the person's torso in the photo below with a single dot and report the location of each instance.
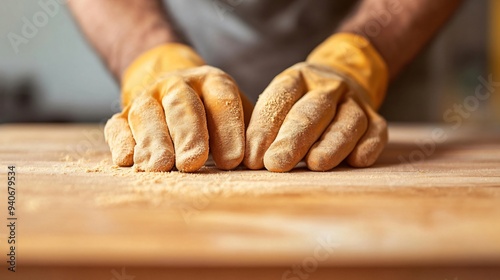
(254, 40)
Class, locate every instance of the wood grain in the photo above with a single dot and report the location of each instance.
(77, 210)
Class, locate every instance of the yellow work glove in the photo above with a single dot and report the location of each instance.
(322, 110)
(175, 109)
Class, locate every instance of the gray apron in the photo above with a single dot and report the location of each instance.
(254, 40)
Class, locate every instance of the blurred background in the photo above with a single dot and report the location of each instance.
(55, 76)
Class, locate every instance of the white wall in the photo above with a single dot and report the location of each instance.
(69, 81)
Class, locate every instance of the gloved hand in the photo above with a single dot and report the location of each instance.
(175, 108)
(322, 110)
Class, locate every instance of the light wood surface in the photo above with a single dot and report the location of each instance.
(77, 211)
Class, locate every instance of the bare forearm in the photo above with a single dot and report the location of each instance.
(399, 29)
(120, 30)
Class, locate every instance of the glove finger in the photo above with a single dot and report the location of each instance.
(187, 123)
(303, 125)
(153, 150)
(269, 113)
(225, 120)
(339, 139)
(371, 145)
(120, 140)
(247, 108)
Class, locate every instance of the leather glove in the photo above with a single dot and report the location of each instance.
(175, 109)
(322, 110)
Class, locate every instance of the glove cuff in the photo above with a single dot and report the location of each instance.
(356, 59)
(144, 70)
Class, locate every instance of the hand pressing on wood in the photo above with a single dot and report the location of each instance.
(175, 110)
(322, 110)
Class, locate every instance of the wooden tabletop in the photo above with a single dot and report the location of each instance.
(432, 200)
